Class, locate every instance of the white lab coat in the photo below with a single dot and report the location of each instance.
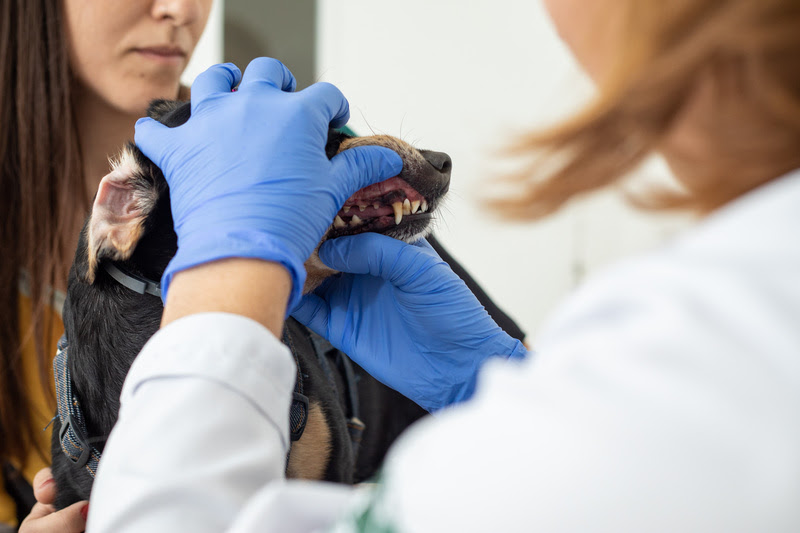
(664, 396)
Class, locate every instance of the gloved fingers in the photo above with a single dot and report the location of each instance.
(214, 80)
(334, 105)
(426, 247)
(151, 138)
(359, 167)
(378, 255)
(270, 71)
(313, 312)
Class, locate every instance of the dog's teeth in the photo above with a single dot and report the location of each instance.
(355, 221)
(415, 206)
(398, 212)
(424, 207)
(362, 208)
(406, 207)
(376, 205)
(346, 209)
(338, 222)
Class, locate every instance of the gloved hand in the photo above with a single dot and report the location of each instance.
(403, 315)
(247, 173)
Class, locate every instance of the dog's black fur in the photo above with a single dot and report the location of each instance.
(107, 324)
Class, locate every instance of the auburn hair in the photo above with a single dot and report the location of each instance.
(41, 186)
(751, 49)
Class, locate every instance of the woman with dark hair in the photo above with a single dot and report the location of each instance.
(74, 77)
(663, 396)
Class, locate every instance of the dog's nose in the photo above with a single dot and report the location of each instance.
(439, 160)
(443, 165)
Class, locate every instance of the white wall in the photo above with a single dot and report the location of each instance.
(209, 48)
(463, 77)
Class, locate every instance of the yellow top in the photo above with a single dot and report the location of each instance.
(43, 411)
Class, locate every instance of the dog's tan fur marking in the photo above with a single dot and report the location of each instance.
(316, 272)
(309, 456)
(410, 155)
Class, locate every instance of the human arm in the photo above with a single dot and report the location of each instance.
(252, 191)
(611, 427)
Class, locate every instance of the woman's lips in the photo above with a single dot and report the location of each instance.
(163, 54)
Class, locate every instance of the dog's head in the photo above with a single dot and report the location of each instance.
(132, 201)
(131, 229)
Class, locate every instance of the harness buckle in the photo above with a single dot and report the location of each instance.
(79, 443)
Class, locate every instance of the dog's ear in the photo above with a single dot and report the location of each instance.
(124, 199)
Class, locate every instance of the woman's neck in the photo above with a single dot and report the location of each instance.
(103, 131)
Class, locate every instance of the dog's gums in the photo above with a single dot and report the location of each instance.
(379, 207)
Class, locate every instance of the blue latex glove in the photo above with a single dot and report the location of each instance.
(247, 173)
(403, 315)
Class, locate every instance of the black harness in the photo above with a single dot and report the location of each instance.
(81, 450)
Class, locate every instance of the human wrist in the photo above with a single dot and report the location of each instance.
(249, 287)
(198, 248)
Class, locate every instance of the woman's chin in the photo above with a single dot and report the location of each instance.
(136, 102)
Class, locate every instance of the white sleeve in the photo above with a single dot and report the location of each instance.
(202, 428)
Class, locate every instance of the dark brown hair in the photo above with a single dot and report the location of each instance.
(750, 50)
(41, 186)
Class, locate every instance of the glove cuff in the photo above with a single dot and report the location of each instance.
(193, 252)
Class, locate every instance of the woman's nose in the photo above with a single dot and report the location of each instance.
(181, 12)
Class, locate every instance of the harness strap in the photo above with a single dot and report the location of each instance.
(323, 349)
(73, 435)
(298, 413)
(355, 426)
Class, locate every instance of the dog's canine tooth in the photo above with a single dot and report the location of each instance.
(338, 222)
(398, 212)
(346, 209)
(415, 206)
(355, 221)
(406, 207)
(424, 207)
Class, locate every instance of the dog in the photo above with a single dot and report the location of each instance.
(342, 420)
